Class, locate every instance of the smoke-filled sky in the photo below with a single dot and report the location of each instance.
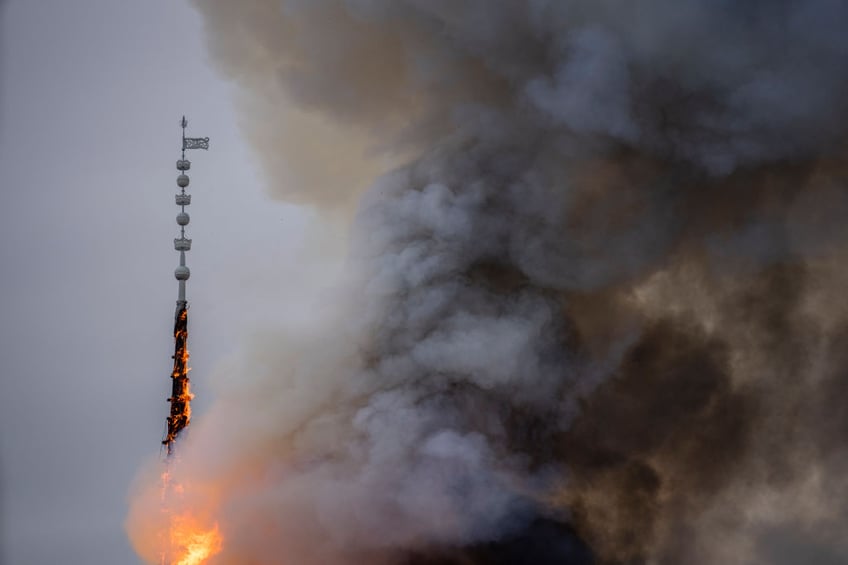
(590, 309)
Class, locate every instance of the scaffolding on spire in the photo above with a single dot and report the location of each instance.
(180, 399)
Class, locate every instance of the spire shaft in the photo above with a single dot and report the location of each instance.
(180, 399)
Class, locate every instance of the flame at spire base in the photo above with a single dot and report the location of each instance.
(187, 534)
(174, 517)
(190, 542)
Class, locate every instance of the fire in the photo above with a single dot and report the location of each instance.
(192, 544)
(189, 539)
(181, 395)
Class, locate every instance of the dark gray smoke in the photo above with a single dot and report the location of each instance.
(594, 313)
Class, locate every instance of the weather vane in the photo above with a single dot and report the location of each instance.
(192, 142)
(181, 395)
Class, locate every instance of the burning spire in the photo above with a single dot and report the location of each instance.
(181, 395)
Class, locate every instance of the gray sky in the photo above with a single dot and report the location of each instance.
(92, 92)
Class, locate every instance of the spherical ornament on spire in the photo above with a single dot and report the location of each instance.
(182, 181)
(182, 219)
(182, 273)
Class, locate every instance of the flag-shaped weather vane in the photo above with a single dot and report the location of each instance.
(181, 395)
(192, 142)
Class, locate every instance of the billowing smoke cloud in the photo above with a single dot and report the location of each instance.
(594, 312)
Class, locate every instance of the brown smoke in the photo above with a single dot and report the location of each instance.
(593, 313)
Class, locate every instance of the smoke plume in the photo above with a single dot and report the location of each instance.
(593, 310)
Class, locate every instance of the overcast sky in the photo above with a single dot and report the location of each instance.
(92, 92)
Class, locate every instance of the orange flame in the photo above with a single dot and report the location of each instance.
(189, 540)
(191, 543)
(181, 395)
